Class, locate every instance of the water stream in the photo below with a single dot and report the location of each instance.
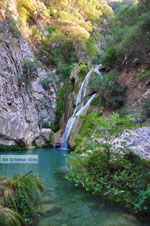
(76, 207)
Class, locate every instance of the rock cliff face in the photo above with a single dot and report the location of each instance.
(24, 103)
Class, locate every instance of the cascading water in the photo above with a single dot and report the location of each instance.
(80, 107)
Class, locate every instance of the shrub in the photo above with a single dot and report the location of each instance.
(83, 69)
(23, 195)
(124, 46)
(46, 82)
(113, 172)
(144, 75)
(9, 217)
(145, 109)
(60, 107)
(30, 69)
(13, 28)
(65, 71)
(111, 93)
(58, 54)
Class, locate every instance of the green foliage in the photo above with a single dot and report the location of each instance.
(144, 75)
(9, 217)
(29, 72)
(60, 107)
(45, 124)
(109, 169)
(95, 101)
(13, 28)
(62, 53)
(74, 18)
(23, 195)
(54, 127)
(13, 147)
(145, 109)
(111, 93)
(64, 72)
(83, 69)
(46, 82)
(128, 43)
(91, 47)
(30, 69)
(118, 6)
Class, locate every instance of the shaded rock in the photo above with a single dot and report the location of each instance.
(45, 133)
(40, 142)
(44, 137)
(50, 210)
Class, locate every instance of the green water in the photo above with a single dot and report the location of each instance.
(76, 207)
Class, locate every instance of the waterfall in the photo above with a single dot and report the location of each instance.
(71, 121)
(80, 106)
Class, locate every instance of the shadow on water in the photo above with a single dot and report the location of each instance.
(64, 204)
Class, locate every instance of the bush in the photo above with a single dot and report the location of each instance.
(60, 107)
(124, 46)
(83, 69)
(13, 28)
(23, 194)
(65, 71)
(9, 217)
(144, 75)
(145, 109)
(58, 54)
(30, 69)
(111, 93)
(46, 82)
(111, 171)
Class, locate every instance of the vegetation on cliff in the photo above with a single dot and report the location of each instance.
(128, 43)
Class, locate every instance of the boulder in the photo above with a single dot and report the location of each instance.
(56, 138)
(137, 140)
(50, 210)
(45, 133)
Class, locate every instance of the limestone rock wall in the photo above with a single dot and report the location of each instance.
(23, 106)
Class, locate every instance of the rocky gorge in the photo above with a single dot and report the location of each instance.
(24, 105)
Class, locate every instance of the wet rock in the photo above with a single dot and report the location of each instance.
(50, 210)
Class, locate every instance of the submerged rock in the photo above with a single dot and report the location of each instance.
(120, 220)
(50, 210)
(48, 199)
(48, 222)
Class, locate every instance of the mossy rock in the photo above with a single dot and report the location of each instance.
(50, 210)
